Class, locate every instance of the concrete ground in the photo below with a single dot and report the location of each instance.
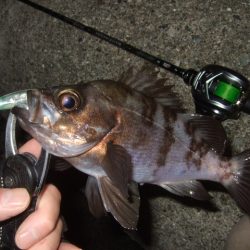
(38, 51)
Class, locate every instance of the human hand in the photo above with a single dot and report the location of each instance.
(41, 229)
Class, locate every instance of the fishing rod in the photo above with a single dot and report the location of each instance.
(217, 91)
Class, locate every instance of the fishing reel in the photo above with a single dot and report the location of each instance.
(219, 92)
(20, 171)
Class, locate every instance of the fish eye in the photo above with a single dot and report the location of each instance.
(69, 100)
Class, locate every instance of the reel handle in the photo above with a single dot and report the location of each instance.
(20, 171)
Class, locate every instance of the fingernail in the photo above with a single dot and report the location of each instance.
(26, 237)
(15, 198)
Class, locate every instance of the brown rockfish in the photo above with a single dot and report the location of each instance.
(131, 131)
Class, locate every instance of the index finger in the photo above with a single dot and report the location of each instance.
(33, 147)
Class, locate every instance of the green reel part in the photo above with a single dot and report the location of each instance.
(227, 92)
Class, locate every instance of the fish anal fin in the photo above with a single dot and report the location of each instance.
(94, 198)
(193, 189)
(125, 211)
(149, 82)
(117, 165)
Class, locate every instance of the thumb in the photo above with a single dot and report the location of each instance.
(13, 202)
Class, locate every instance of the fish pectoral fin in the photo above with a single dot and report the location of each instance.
(125, 211)
(117, 165)
(94, 197)
(59, 164)
(205, 128)
(193, 189)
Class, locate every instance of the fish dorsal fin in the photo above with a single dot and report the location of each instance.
(94, 197)
(148, 82)
(124, 210)
(205, 129)
(193, 189)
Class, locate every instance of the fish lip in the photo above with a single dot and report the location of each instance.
(14, 99)
(34, 101)
(21, 114)
(24, 104)
(27, 111)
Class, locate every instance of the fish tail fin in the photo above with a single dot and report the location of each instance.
(238, 184)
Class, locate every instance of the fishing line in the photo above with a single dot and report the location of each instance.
(217, 91)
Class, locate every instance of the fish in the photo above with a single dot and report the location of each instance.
(129, 132)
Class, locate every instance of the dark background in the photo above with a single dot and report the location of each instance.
(37, 51)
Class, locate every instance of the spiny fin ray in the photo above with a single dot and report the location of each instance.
(117, 165)
(94, 198)
(148, 82)
(239, 185)
(204, 128)
(193, 189)
(125, 211)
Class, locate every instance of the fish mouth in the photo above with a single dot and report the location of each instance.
(36, 115)
(17, 102)
(23, 104)
(16, 99)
